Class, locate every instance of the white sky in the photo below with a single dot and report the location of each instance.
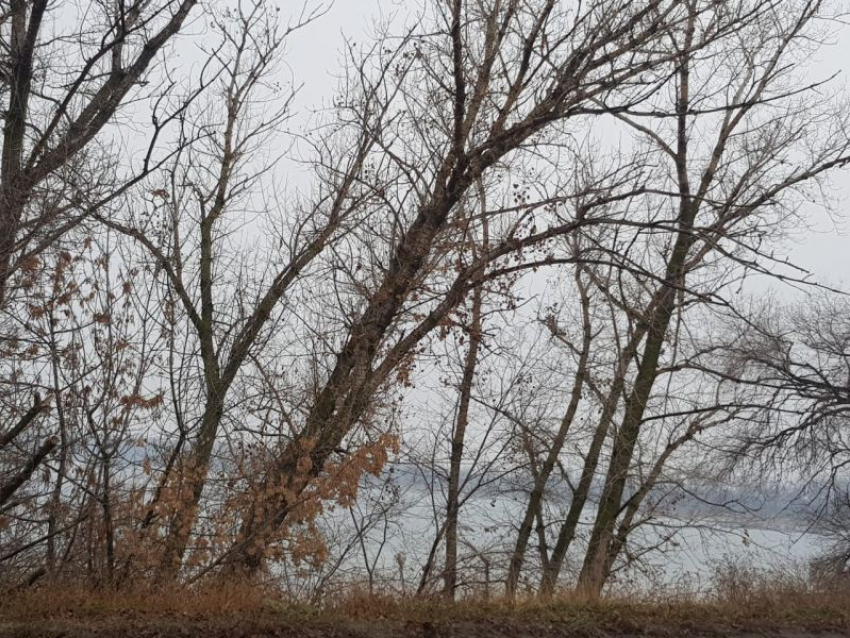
(314, 56)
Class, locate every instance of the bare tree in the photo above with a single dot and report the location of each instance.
(728, 196)
(212, 351)
(533, 511)
(55, 114)
(796, 359)
(187, 248)
(475, 125)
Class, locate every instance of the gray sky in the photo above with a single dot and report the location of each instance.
(314, 56)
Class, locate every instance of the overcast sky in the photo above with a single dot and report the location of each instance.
(314, 56)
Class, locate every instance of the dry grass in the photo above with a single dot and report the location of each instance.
(606, 613)
(68, 600)
(743, 600)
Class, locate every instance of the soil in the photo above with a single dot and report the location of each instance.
(313, 628)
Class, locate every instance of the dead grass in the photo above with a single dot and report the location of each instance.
(605, 613)
(69, 600)
(743, 600)
(216, 601)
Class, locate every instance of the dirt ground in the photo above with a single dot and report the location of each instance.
(498, 628)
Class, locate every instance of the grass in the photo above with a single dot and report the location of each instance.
(743, 600)
(75, 603)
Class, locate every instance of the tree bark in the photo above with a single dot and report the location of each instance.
(535, 499)
(8, 490)
(458, 442)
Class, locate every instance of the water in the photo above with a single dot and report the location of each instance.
(669, 554)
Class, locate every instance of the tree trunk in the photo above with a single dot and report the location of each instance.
(597, 559)
(10, 487)
(191, 480)
(13, 188)
(535, 500)
(593, 573)
(458, 441)
(567, 533)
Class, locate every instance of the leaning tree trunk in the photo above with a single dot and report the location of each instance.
(593, 574)
(566, 534)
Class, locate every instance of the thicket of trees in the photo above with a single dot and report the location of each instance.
(509, 261)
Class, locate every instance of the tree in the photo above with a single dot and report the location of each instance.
(796, 359)
(504, 95)
(57, 162)
(530, 220)
(744, 171)
(54, 115)
(186, 248)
